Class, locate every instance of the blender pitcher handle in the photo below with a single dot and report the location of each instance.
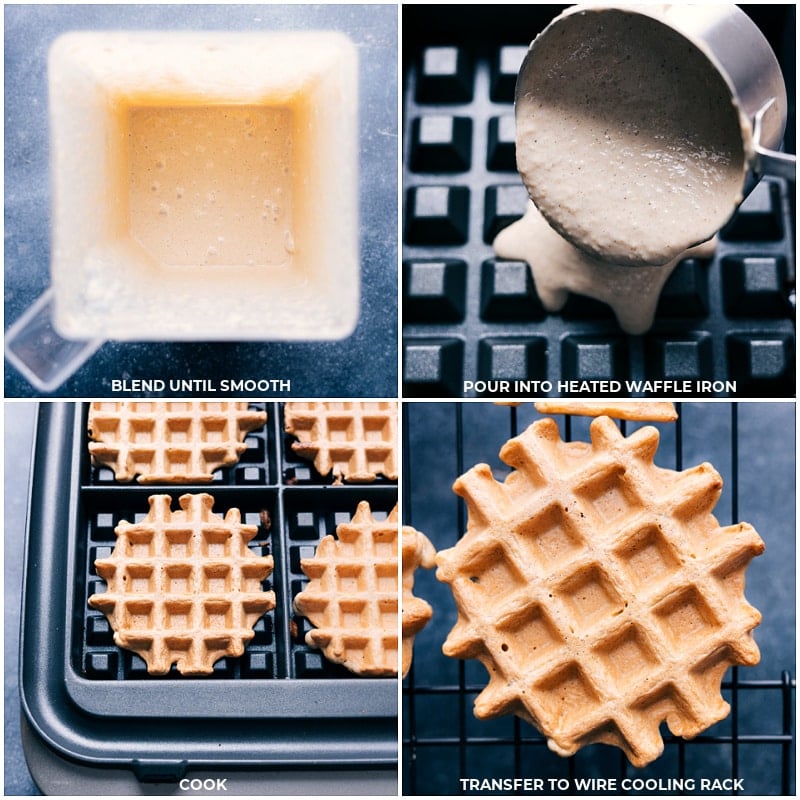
(770, 162)
(44, 357)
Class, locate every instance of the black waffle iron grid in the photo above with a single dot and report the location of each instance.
(289, 529)
(280, 687)
(468, 316)
(442, 741)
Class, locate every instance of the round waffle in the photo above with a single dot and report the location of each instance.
(169, 442)
(183, 587)
(417, 552)
(599, 590)
(354, 441)
(351, 598)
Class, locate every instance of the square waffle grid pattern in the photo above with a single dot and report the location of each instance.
(586, 572)
(354, 441)
(293, 508)
(352, 599)
(470, 316)
(443, 742)
(180, 571)
(160, 441)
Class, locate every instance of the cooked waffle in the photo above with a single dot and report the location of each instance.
(169, 442)
(351, 598)
(417, 552)
(639, 410)
(354, 441)
(599, 590)
(183, 587)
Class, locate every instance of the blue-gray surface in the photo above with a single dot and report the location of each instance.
(364, 364)
(763, 495)
(19, 422)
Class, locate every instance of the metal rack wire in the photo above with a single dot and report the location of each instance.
(439, 753)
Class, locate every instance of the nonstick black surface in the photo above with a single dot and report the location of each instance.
(468, 316)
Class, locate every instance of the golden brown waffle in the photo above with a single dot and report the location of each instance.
(417, 552)
(352, 596)
(169, 442)
(183, 587)
(599, 590)
(355, 441)
(639, 410)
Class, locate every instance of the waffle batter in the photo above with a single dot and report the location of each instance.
(559, 268)
(211, 185)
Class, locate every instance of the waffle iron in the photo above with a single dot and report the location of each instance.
(280, 719)
(469, 316)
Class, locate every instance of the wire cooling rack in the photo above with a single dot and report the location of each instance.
(447, 751)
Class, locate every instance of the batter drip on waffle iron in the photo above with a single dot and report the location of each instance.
(183, 587)
(354, 441)
(352, 597)
(599, 591)
(169, 442)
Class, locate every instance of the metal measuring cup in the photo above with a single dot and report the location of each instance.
(735, 49)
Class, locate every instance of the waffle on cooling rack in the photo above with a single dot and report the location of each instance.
(639, 410)
(599, 590)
